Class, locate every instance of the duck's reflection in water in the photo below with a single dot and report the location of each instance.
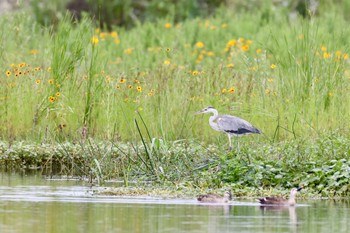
(282, 210)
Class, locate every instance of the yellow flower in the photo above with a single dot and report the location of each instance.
(245, 47)
(167, 25)
(199, 44)
(117, 87)
(224, 25)
(168, 50)
(52, 99)
(139, 88)
(195, 72)
(49, 69)
(137, 81)
(94, 40)
(267, 91)
(230, 65)
(34, 51)
(224, 90)
(130, 86)
(231, 43)
(128, 51)
(51, 81)
(326, 55)
(323, 48)
(167, 62)
(231, 90)
(8, 73)
(210, 54)
(37, 81)
(273, 66)
(21, 65)
(114, 34)
(345, 56)
(338, 54)
(58, 94)
(150, 93)
(258, 50)
(122, 80)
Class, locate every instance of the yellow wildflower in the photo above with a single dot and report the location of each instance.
(231, 43)
(122, 80)
(231, 90)
(167, 25)
(8, 73)
(139, 88)
(128, 51)
(167, 62)
(94, 40)
(245, 47)
(326, 55)
(114, 34)
(199, 44)
(52, 99)
(195, 72)
(273, 66)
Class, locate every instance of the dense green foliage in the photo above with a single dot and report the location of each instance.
(65, 89)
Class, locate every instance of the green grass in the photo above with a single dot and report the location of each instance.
(75, 85)
(307, 92)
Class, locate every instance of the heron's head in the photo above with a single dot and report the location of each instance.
(207, 110)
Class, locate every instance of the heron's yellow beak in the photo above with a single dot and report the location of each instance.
(200, 112)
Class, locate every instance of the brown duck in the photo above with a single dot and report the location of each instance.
(214, 198)
(280, 200)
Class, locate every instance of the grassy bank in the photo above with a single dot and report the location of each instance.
(81, 101)
(320, 166)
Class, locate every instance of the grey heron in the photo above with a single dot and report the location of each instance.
(231, 125)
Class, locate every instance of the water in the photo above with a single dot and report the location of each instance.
(34, 204)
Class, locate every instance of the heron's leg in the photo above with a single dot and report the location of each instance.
(229, 140)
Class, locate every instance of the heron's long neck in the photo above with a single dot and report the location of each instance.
(212, 119)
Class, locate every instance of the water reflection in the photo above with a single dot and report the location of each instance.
(282, 211)
(34, 204)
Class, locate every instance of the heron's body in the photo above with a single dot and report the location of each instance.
(214, 198)
(231, 125)
(279, 200)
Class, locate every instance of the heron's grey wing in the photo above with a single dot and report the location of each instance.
(235, 125)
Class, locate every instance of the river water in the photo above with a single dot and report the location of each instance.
(35, 204)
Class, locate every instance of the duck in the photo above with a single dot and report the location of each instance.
(280, 200)
(214, 198)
